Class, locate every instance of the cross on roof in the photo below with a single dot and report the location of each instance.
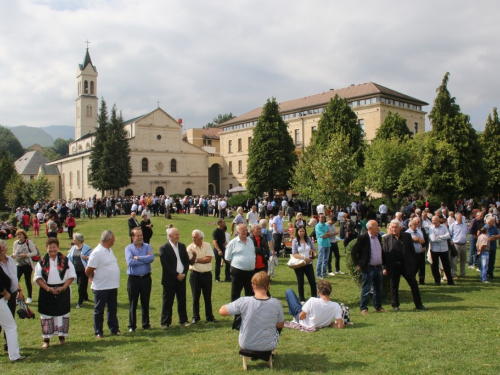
(87, 41)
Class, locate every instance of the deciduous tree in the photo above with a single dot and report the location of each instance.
(10, 143)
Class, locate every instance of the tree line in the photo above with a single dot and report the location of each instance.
(451, 161)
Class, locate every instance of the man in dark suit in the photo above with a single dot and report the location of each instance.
(175, 264)
(367, 256)
(399, 259)
(132, 223)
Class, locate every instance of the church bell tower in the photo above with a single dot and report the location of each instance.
(86, 101)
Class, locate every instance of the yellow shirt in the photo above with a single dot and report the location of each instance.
(205, 250)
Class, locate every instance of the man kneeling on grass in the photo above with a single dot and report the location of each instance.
(317, 312)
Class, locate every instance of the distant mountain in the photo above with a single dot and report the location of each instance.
(60, 131)
(29, 135)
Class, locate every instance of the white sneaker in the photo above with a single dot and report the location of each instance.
(486, 282)
(478, 270)
(331, 273)
(29, 300)
(303, 302)
(340, 273)
(319, 277)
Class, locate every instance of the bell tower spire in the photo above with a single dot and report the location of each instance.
(86, 101)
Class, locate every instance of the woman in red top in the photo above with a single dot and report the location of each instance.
(261, 248)
(36, 227)
(71, 224)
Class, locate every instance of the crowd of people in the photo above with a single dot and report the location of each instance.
(414, 236)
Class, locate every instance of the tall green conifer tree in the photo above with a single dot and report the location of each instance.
(270, 158)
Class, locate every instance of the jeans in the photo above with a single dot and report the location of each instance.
(485, 256)
(294, 305)
(491, 262)
(473, 258)
(373, 274)
(308, 271)
(322, 260)
(103, 298)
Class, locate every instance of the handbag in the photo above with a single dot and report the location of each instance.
(295, 263)
(452, 249)
(24, 311)
(37, 257)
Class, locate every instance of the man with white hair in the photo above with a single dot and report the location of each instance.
(175, 264)
(200, 277)
(399, 259)
(439, 236)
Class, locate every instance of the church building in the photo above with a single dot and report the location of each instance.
(162, 163)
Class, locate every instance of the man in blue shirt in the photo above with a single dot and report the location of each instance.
(323, 235)
(139, 256)
(493, 236)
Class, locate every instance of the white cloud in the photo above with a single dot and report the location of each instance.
(202, 58)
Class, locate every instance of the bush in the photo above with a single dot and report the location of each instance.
(4, 216)
(13, 220)
(238, 200)
(356, 275)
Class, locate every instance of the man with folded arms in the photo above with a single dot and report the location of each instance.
(139, 256)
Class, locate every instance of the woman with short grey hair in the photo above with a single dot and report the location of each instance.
(78, 255)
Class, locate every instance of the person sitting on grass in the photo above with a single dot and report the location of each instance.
(316, 312)
(262, 319)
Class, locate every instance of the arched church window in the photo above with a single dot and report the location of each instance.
(87, 146)
(145, 165)
(91, 87)
(173, 165)
(86, 87)
(80, 148)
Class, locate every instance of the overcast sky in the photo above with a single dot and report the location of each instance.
(201, 58)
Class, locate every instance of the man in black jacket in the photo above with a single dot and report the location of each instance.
(175, 264)
(399, 259)
(367, 256)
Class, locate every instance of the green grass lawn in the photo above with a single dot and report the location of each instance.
(458, 335)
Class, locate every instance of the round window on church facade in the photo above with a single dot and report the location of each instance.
(158, 137)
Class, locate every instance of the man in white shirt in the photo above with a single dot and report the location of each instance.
(316, 312)
(102, 269)
(252, 216)
(222, 208)
(90, 208)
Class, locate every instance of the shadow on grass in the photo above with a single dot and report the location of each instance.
(312, 363)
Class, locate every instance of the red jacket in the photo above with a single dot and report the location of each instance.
(70, 222)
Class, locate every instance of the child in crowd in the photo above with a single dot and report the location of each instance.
(290, 228)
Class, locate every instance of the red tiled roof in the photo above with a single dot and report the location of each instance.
(351, 92)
